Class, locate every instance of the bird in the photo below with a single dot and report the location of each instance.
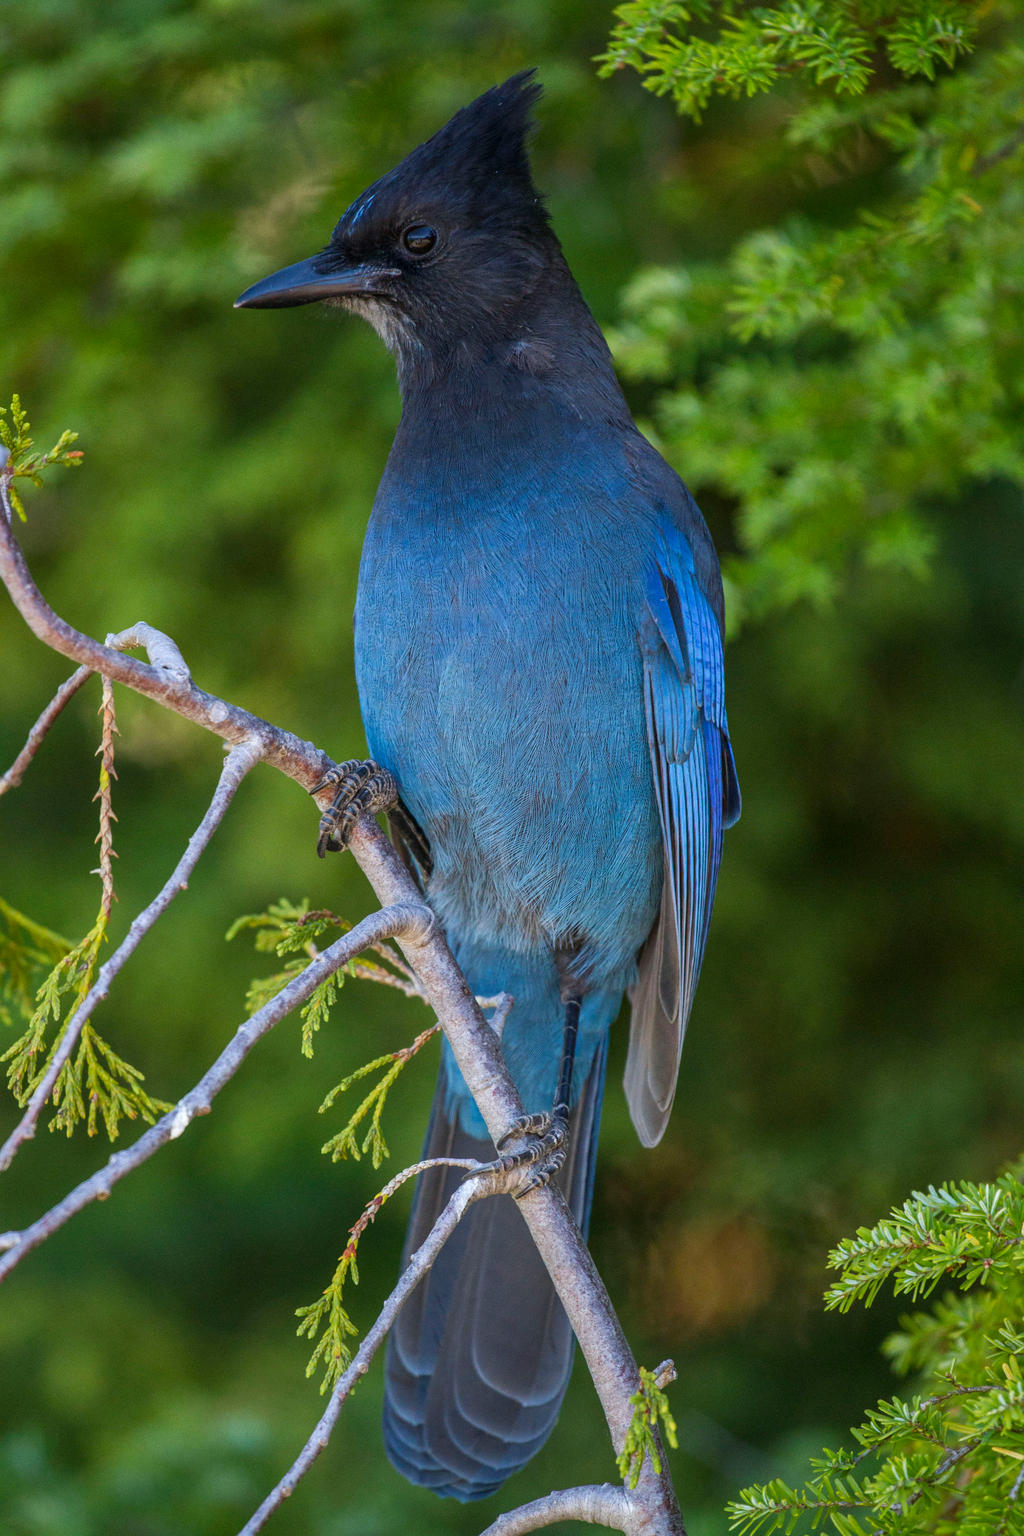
(539, 633)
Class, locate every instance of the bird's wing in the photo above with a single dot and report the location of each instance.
(698, 796)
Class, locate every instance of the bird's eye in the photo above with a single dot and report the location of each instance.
(419, 239)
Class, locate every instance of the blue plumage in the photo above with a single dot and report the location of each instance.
(539, 659)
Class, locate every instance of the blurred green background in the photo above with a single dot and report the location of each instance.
(857, 1028)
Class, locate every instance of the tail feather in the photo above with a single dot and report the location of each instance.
(480, 1356)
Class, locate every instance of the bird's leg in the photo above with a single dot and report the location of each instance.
(569, 1034)
(363, 788)
(548, 1134)
(407, 832)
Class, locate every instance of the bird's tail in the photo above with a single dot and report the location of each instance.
(479, 1359)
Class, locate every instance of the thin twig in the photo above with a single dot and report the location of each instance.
(108, 773)
(37, 735)
(418, 1265)
(367, 971)
(501, 1007)
(986, 162)
(389, 953)
(952, 1458)
(411, 918)
(598, 1504)
(372, 1207)
(404, 980)
(236, 765)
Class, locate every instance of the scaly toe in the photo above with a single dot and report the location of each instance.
(363, 788)
(538, 1162)
(526, 1125)
(543, 1173)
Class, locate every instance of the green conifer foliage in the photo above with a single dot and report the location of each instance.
(881, 364)
(950, 1457)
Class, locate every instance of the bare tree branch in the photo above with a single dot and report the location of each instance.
(599, 1504)
(237, 765)
(412, 919)
(474, 1043)
(37, 735)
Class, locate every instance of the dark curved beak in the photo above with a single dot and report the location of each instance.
(304, 283)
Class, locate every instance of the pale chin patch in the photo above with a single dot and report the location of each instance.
(395, 330)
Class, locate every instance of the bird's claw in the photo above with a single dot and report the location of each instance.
(526, 1125)
(363, 788)
(548, 1137)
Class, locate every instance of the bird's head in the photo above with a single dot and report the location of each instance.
(442, 252)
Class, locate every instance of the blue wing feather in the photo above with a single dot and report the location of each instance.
(698, 796)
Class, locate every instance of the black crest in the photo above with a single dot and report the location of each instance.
(478, 161)
(487, 139)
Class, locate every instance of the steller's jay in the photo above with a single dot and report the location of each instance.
(539, 658)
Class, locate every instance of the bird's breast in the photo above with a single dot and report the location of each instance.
(501, 681)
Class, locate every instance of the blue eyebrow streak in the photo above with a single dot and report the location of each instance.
(361, 209)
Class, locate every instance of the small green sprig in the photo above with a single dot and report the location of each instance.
(345, 1143)
(286, 927)
(328, 1311)
(960, 1231)
(95, 1082)
(24, 461)
(26, 948)
(650, 1409)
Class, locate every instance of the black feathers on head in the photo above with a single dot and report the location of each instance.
(484, 142)
(476, 165)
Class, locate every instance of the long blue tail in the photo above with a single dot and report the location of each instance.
(479, 1359)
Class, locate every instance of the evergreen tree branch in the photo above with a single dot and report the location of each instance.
(237, 764)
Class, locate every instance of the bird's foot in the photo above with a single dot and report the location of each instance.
(363, 788)
(526, 1125)
(548, 1137)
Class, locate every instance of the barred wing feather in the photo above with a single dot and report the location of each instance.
(698, 796)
